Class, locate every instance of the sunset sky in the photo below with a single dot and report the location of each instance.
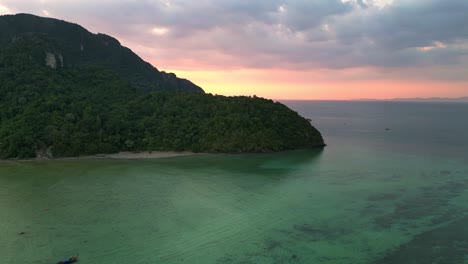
(287, 49)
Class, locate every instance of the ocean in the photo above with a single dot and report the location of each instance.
(390, 187)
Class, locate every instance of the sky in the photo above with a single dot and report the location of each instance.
(287, 49)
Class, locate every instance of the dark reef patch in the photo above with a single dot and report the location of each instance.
(272, 244)
(430, 202)
(315, 233)
(445, 172)
(447, 244)
(383, 197)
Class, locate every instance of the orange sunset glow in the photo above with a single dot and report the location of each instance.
(278, 84)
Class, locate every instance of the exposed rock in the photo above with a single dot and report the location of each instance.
(50, 60)
(44, 153)
(92, 49)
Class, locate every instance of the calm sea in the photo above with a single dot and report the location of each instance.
(424, 128)
(390, 187)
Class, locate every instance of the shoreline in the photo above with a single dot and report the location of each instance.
(124, 155)
(127, 155)
(140, 155)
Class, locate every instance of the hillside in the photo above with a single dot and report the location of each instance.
(88, 106)
(62, 45)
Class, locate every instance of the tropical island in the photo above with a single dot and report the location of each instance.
(66, 92)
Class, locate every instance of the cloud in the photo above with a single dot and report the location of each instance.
(4, 10)
(427, 36)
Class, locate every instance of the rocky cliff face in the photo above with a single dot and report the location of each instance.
(64, 44)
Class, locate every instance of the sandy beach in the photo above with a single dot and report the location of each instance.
(120, 155)
(140, 155)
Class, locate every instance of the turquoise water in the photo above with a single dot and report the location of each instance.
(390, 187)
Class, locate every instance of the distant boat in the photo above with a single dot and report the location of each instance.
(69, 260)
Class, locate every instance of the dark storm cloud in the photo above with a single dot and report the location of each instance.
(302, 15)
(361, 3)
(293, 34)
(418, 23)
(407, 33)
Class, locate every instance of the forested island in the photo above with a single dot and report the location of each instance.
(66, 92)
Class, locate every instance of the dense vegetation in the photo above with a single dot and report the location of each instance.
(88, 109)
(73, 45)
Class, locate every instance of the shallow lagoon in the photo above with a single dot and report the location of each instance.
(372, 196)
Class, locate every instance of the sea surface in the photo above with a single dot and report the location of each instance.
(390, 187)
